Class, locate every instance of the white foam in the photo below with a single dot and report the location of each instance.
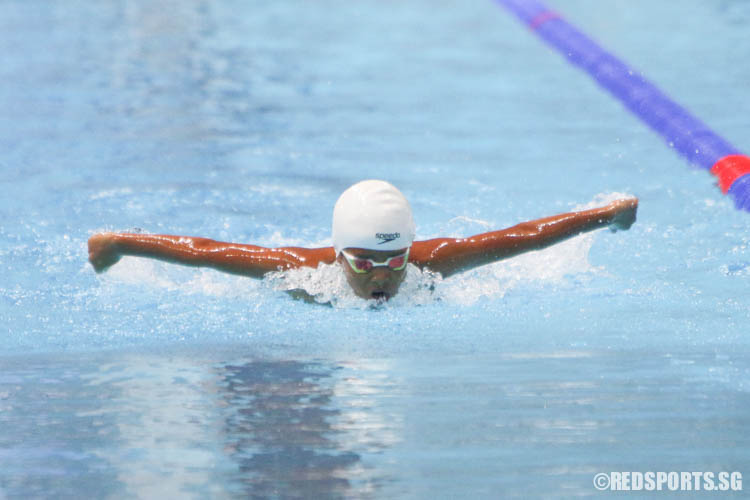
(327, 284)
(602, 199)
(136, 271)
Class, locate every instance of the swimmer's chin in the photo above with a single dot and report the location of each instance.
(381, 296)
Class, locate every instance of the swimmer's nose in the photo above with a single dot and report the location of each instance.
(380, 274)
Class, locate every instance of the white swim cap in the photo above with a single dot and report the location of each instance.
(373, 215)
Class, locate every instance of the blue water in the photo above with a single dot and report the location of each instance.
(244, 121)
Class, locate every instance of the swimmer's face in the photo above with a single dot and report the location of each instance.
(380, 282)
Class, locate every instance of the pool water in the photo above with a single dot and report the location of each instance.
(244, 121)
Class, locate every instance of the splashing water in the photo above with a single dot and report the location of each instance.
(327, 284)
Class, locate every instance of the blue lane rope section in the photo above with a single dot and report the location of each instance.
(684, 132)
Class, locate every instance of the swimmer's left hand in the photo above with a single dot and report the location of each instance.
(623, 214)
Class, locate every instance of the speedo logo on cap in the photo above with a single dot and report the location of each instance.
(386, 237)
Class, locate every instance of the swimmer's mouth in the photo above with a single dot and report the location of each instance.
(380, 296)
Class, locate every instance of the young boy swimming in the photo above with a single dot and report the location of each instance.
(373, 239)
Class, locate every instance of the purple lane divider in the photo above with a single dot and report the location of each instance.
(689, 136)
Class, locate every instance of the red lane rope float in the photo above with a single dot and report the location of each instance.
(733, 172)
(685, 133)
(729, 169)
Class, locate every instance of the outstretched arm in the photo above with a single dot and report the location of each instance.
(105, 249)
(450, 256)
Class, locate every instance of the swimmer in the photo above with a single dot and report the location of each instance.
(373, 239)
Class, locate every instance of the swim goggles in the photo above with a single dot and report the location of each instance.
(361, 265)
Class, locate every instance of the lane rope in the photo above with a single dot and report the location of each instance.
(685, 133)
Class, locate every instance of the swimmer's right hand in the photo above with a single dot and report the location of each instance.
(103, 251)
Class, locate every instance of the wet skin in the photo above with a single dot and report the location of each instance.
(381, 282)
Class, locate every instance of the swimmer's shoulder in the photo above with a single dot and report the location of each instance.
(307, 257)
(423, 253)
